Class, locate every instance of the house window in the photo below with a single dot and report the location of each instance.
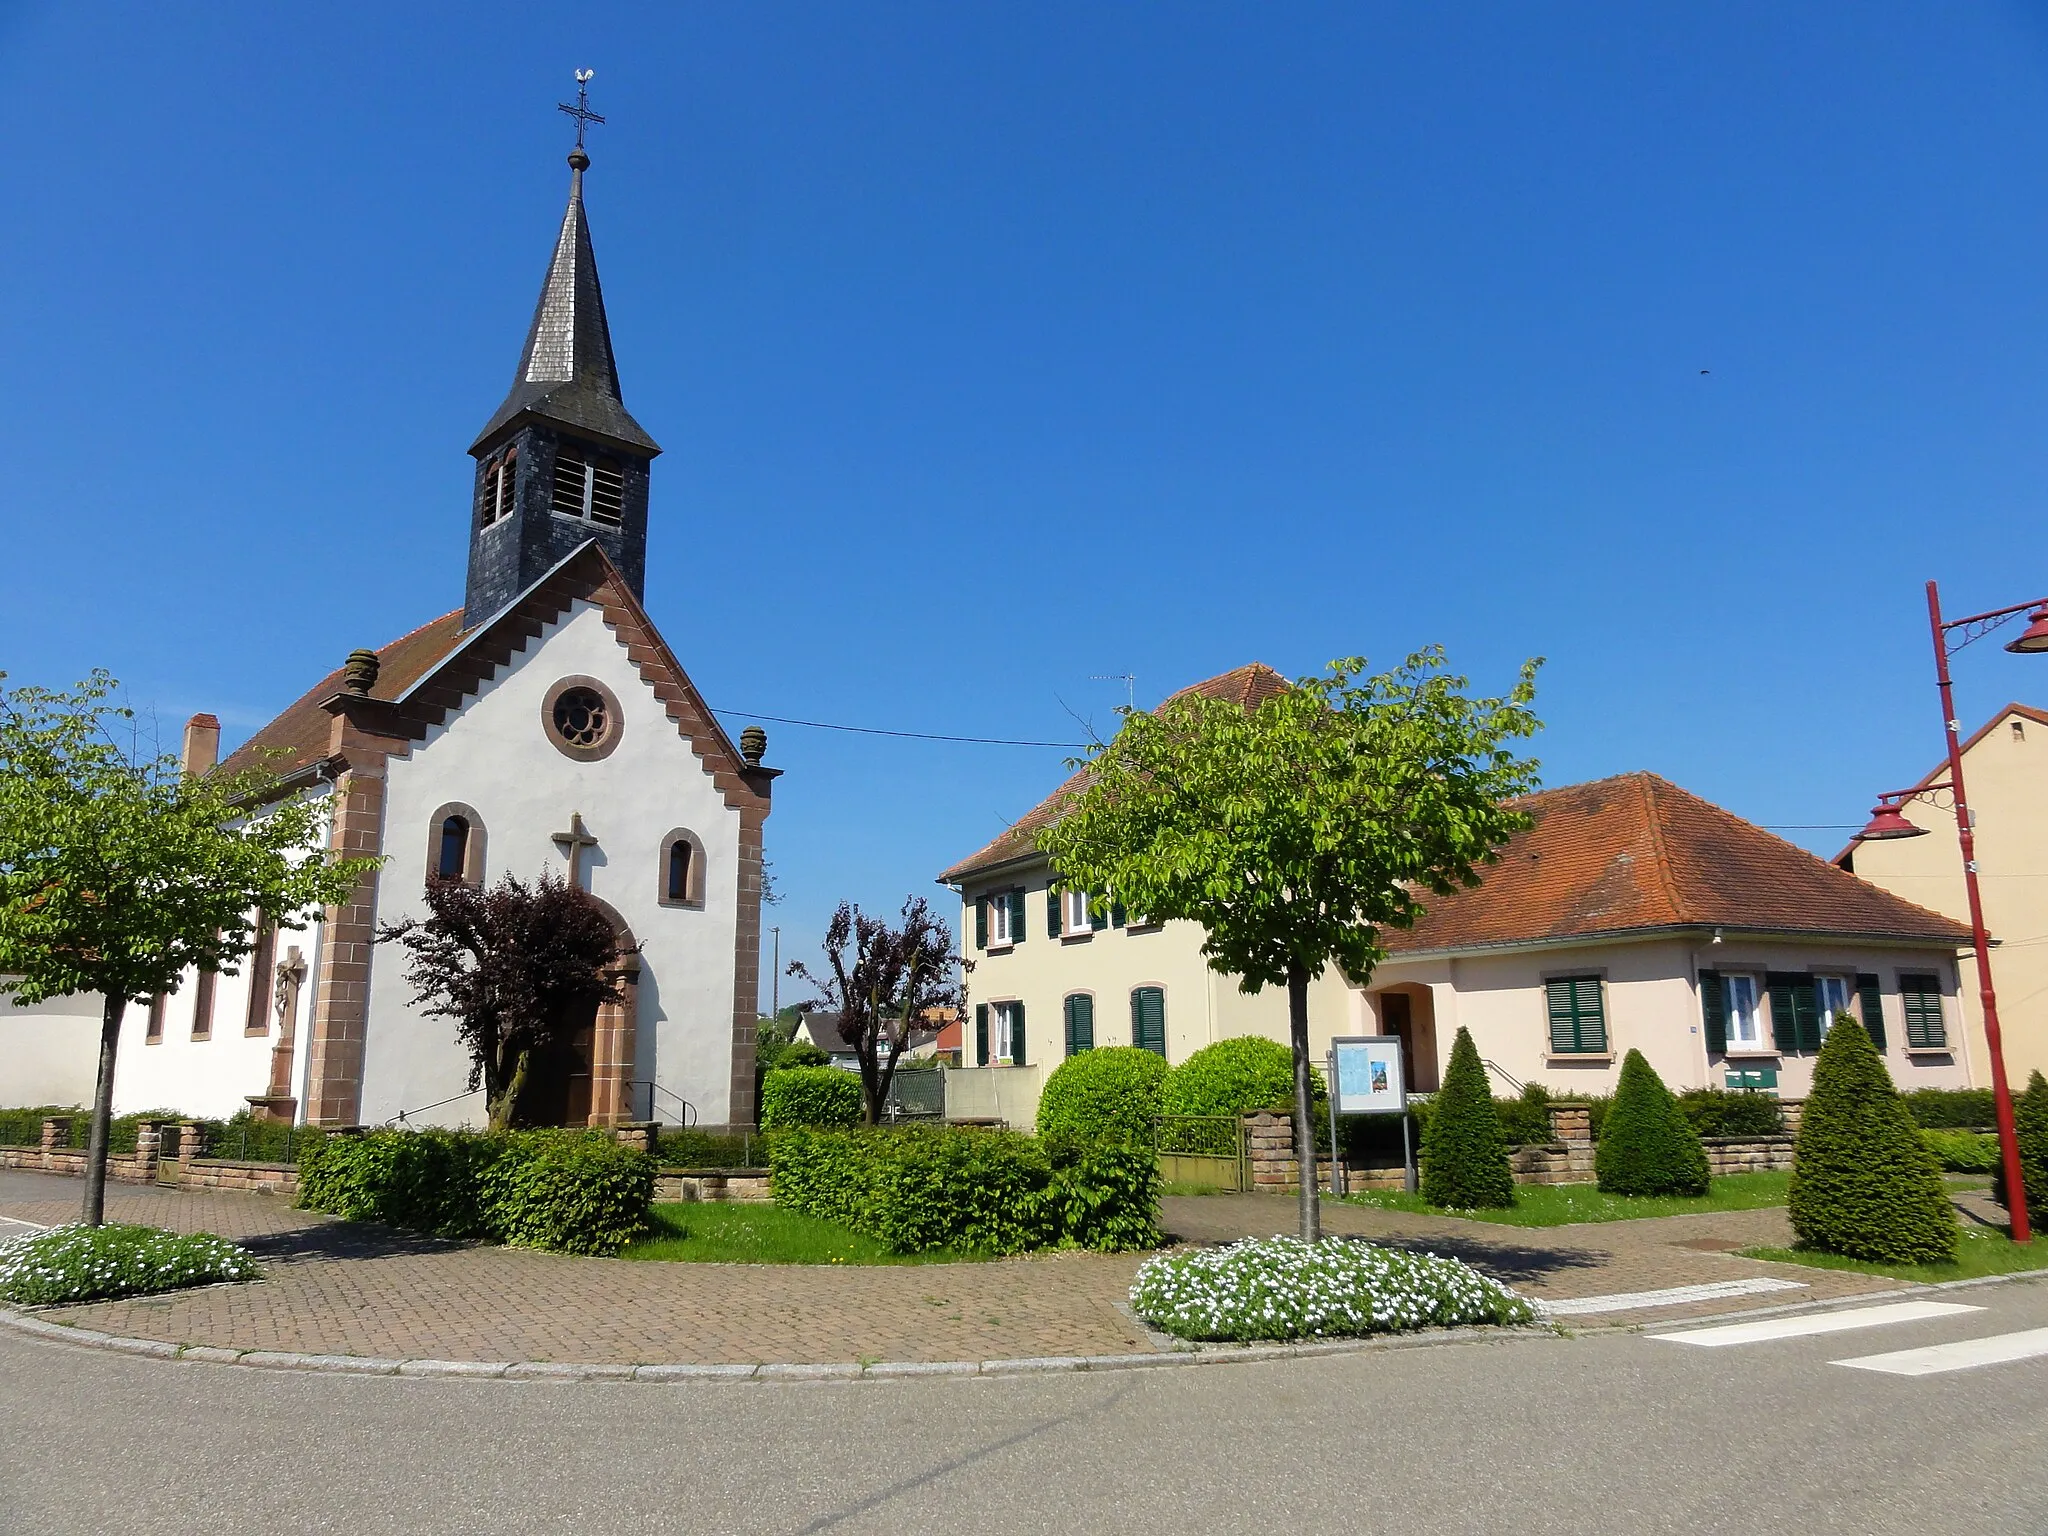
(1830, 996)
(1148, 1019)
(588, 487)
(1080, 1020)
(1745, 1013)
(1074, 913)
(202, 1004)
(153, 1031)
(679, 870)
(454, 854)
(1578, 1025)
(262, 965)
(1925, 1029)
(999, 1034)
(1005, 918)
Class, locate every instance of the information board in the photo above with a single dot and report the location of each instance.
(1367, 1080)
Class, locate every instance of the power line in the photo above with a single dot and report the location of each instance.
(872, 730)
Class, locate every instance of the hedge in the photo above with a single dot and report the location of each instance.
(1649, 1147)
(24, 1127)
(2030, 1120)
(980, 1191)
(1233, 1076)
(1863, 1183)
(1951, 1109)
(1728, 1112)
(1963, 1151)
(1464, 1155)
(809, 1096)
(570, 1191)
(1110, 1095)
(690, 1148)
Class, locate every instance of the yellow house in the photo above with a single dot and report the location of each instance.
(2005, 768)
(1629, 915)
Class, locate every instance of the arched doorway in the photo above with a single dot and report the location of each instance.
(1408, 1011)
(588, 1078)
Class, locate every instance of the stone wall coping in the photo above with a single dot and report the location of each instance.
(711, 1173)
(243, 1162)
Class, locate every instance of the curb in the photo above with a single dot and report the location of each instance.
(861, 1370)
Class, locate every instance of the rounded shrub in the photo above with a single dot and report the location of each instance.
(1648, 1146)
(1863, 1183)
(1464, 1155)
(1233, 1076)
(1110, 1094)
(2030, 1120)
(809, 1096)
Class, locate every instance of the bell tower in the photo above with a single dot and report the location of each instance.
(561, 462)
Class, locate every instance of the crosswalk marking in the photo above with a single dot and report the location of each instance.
(1967, 1355)
(1815, 1322)
(1676, 1296)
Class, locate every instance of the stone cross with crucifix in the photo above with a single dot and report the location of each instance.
(572, 843)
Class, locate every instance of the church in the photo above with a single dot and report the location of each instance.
(543, 725)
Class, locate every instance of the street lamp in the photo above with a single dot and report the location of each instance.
(2032, 641)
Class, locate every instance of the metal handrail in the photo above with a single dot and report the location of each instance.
(1499, 1071)
(405, 1114)
(689, 1110)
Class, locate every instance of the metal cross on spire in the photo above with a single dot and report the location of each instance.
(581, 111)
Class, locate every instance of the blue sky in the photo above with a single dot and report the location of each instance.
(998, 350)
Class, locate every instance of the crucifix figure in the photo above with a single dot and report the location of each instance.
(581, 111)
(572, 843)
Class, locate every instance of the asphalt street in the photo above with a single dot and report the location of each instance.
(1602, 1431)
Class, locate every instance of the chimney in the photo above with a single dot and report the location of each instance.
(202, 744)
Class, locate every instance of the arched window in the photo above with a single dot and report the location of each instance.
(454, 847)
(455, 844)
(1148, 1019)
(682, 869)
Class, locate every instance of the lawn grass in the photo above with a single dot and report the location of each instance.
(1558, 1205)
(1984, 1251)
(716, 1232)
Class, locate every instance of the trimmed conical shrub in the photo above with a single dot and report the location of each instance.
(1647, 1145)
(2030, 1119)
(1863, 1182)
(1464, 1155)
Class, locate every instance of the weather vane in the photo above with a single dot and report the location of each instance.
(581, 111)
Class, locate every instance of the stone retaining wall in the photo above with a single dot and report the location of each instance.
(225, 1173)
(123, 1167)
(746, 1185)
(1748, 1154)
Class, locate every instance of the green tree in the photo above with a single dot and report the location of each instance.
(1863, 1182)
(1296, 830)
(119, 872)
(1464, 1154)
(1647, 1145)
(517, 968)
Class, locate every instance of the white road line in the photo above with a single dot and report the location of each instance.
(1965, 1356)
(1814, 1322)
(1676, 1296)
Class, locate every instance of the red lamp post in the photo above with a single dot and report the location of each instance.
(2032, 640)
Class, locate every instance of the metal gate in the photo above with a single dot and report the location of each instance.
(1203, 1151)
(168, 1169)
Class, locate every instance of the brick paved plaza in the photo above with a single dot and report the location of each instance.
(339, 1288)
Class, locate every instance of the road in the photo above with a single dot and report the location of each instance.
(1604, 1431)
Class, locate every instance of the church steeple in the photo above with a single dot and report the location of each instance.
(562, 461)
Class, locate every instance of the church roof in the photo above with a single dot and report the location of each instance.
(566, 372)
(301, 733)
(1247, 686)
(429, 674)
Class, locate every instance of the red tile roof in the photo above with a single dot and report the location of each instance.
(1637, 852)
(302, 730)
(1248, 686)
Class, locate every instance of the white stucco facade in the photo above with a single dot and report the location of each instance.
(495, 757)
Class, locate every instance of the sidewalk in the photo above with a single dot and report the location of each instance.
(341, 1288)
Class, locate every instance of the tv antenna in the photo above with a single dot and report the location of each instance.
(1129, 681)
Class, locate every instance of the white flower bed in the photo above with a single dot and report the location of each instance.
(81, 1263)
(1283, 1288)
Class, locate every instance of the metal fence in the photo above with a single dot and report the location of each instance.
(916, 1095)
(1207, 1151)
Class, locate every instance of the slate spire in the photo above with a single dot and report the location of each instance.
(566, 372)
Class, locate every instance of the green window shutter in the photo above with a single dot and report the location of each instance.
(981, 1034)
(1098, 912)
(1870, 1000)
(1811, 1026)
(1795, 1012)
(1116, 914)
(1017, 915)
(1052, 911)
(1019, 1056)
(1925, 1030)
(1148, 1019)
(1714, 1011)
(1577, 1024)
(981, 922)
(1080, 1023)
